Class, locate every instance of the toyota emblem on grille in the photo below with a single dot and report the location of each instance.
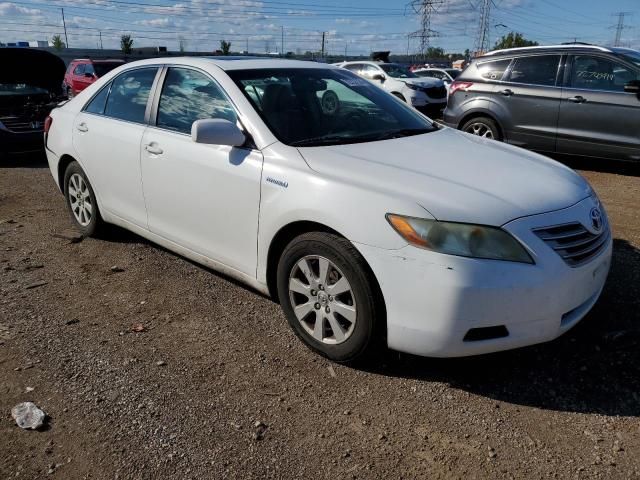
(596, 219)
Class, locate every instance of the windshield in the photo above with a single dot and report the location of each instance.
(313, 106)
(397, 71)
(104, 67)
(21, 89)
(453, 73)
(631, 56)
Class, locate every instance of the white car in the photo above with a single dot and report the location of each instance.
(447, 75)
(371, 225)
(428, 95)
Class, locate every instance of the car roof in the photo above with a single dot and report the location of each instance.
(97, 60)
(228, 63)
(545, 48)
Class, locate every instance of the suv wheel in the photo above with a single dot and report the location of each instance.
(482, 127)
(329, 297)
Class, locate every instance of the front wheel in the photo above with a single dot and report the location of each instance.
(330, 298)
(482, 127)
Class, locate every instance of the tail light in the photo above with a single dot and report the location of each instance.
(47, 124)
(455, 86)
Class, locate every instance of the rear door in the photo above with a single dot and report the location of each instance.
(597, 117)
(530, 96)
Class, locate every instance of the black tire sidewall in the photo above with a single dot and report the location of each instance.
(333, 248)
(96, 221)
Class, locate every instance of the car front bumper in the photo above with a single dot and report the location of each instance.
(434, 300)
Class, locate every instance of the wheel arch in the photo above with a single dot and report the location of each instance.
(63, 164)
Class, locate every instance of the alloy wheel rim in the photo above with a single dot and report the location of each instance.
(480, 130)
(80, 199)
(322, 299)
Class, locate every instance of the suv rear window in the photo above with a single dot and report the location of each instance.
(535, 70)
(493, 70)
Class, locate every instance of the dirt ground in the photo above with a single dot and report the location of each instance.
(182, 398)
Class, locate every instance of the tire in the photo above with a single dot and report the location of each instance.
(400, 96)
(352, 322)
(84, 211)
(482, 127)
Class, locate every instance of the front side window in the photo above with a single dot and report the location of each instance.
(353, 67)
(79, 70)
(129, 94)
(188, 95)
(317, 106)
(493, 70)
(88, 68)
(598, 73)
(535, 70)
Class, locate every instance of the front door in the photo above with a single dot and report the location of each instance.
(597, 117)
(202, 197)
(107, 136)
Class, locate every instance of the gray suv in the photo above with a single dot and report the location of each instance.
(569, 99)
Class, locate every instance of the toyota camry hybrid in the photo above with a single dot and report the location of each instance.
(372, 225)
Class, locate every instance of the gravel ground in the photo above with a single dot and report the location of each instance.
(163, 369)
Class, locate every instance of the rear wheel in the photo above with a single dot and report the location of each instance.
(482, 127)
(330, 297)
(81, 201)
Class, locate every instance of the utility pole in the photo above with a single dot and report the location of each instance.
(345, 50)
(66, 40)
(322, 50)
(100, 31)
(426, 9)
(282, 42)
(482, 40)
(620, 27)
(247, 45)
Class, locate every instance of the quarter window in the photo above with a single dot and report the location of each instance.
(493, 70)
(187, 96)
(97, 103)
(129, 95)
(536, 70)
(596, 73)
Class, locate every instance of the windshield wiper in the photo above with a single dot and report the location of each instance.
(403, 132)
(322, 140)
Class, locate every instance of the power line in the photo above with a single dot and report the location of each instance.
(482, 40)
(426, 10)
(620, 27)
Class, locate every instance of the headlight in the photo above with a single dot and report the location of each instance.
(463, 239)
(412, 87)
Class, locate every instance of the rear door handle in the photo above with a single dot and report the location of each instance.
(577, 99)
(153, 148)
(507, 92)
(82, 127)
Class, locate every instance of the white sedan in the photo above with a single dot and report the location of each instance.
(372, 225)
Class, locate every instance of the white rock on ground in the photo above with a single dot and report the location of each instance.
(28, 415)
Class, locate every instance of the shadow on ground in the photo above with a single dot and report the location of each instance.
(595, 368)
(24, 160)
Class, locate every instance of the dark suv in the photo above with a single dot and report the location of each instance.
(569, 99)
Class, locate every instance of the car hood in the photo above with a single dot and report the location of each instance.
(33, 67)
(424, 82)
(455, 176)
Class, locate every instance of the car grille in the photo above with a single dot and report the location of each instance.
(573, 242)
(18, 125)
(436, 92)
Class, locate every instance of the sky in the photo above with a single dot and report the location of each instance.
(355, 26)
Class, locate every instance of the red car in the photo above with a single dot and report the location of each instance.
(83, 72)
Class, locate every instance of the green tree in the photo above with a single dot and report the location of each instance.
(225, 47)
(57, 42)
(513, 40)
(126, 44)
(435, 52)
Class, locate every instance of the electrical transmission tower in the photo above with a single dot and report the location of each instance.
(620, 27)
(426, 9)
(482, 41)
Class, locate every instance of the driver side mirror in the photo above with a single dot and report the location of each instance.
(216, 131)
(633, 87)
(378, 76)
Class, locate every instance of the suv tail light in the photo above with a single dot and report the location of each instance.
(455, 86)
(47, 124)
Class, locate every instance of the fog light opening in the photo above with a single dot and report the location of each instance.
(486, 333)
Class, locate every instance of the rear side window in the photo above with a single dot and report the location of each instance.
(187, 96)
(129, 94)
(79, 70)
(493, 70)
(97, 103)
(535, 70)
(597, 73)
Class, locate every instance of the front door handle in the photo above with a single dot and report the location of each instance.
(82, 127)
(507, 92)
(153, 148)
(577, 99)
